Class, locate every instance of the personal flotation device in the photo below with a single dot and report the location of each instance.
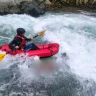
(23, 41)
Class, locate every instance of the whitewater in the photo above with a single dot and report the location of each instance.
(75, 74)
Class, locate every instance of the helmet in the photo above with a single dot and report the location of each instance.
(20, 31)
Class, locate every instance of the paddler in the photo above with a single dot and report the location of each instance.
(19, 41)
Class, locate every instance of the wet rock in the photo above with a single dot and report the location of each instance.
(38, 7)
(7, 7)
(30, 7)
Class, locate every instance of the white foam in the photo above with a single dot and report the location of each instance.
(72, 31)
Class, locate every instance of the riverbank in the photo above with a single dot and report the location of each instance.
(36, 8)
(71, 9)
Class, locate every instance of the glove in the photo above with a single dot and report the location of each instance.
(16, 47)
(31, 38)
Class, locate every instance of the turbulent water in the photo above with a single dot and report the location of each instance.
(74, 75)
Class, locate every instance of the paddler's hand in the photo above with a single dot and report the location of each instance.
(31, 38)
(16, 47)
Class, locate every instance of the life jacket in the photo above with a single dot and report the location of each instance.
(23, 41)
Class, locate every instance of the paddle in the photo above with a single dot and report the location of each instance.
(2, 56)
(39, 34)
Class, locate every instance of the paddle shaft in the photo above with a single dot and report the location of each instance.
(39, 34)
(35, 36)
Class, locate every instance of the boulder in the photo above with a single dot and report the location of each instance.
(30, 7)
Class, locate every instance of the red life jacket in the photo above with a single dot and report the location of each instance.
(23, 41)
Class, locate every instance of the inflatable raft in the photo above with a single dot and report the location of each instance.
(45, 50)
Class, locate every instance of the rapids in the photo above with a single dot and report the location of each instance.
(75, 75)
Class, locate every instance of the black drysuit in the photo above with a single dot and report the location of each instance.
(18, 41)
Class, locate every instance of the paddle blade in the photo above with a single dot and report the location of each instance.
(41, 33)
(2, 57)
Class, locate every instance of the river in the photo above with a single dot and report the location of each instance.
(75, 74)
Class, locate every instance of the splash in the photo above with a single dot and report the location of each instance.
(75, 38)
(75, 34)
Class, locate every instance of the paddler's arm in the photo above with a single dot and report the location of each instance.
(18, 43)
(28, 39)
(15, 44)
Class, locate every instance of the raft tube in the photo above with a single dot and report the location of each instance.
(45, 50)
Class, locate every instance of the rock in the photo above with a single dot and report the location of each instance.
(21, 6)
(38, 7)
(30, 8)
(76, 3)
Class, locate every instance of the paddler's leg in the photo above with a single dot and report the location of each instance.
(31, 46)
(34, 47)
(28, 47)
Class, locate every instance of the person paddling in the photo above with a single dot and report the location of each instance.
(19, 41)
